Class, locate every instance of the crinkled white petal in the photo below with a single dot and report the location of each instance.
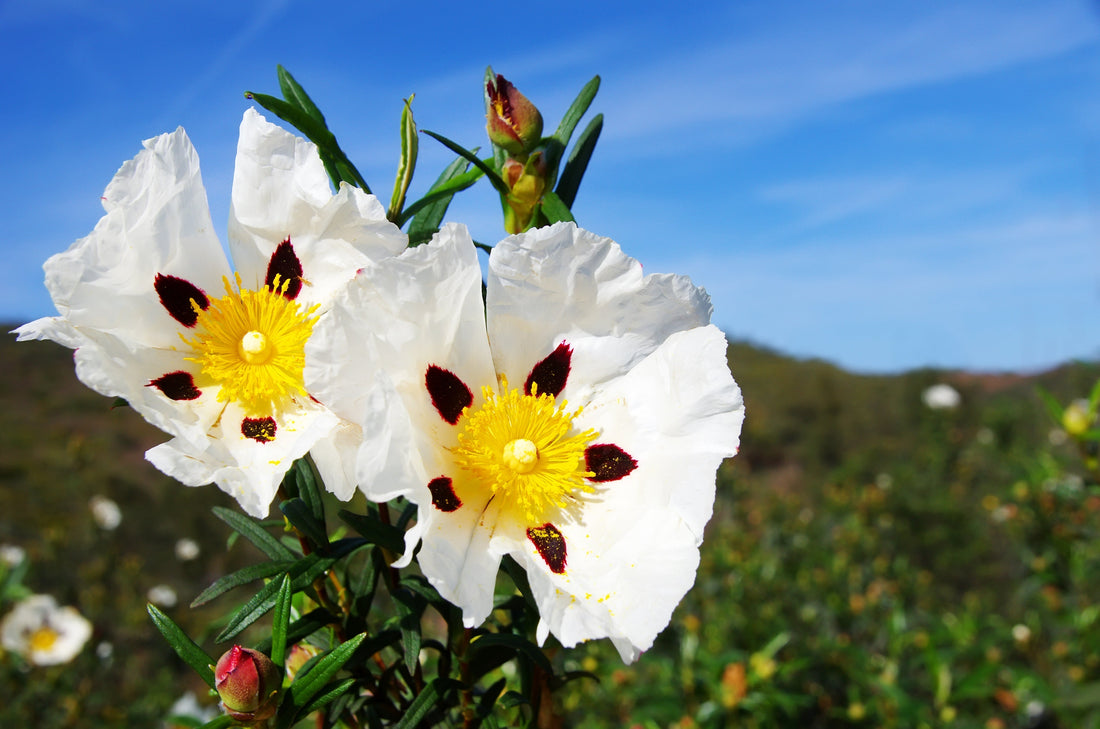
(41, 611)
(157, 221)
(281, 190)
(565, 283)
(247, 470)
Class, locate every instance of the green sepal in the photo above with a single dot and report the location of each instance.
(517, 644)
(280, 622)
(254, 533)
(302, 575)
(298, 513)
(555, 210)
(308, 684)
(575, 166)
(410, 145)
(496, 180)
(374, 531)
(186, 648)
(295, 94)
(242, 576)
(422, 705)
(427, 212)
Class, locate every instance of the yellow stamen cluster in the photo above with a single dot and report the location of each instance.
(252, 343)
(42, 639)
(524, 449)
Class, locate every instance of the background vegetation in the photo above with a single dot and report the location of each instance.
(871, 562)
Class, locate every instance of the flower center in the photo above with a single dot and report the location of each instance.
(42, 639)
(525, 449)
(252, 343)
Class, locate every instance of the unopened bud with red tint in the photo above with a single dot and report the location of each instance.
(526, 183)
(248, 683)
(514, 124)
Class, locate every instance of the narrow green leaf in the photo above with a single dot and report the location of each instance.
(301, 628)
(384, 535)
(309, 487)
(410, 608)
(295, 94)
(577, 163)
(410, 146)
(254, 533)
(186, 648)
(489, 698)
(242, 577)
(306, 685)
(427, 212)
(425, 701)
(554, 209)
(469, 156)
(327, 695)
(221, 722)
(280, 622)
(517, 643)
(576, 110)
(300, 515)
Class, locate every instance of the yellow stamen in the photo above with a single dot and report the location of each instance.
(525, 450)
(252, 343)
(42, 639)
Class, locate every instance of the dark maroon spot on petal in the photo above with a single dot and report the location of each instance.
(551, 546)
(549, 375)
(444, 497)
(176, 295)
(449, 394)
(285, 265)
(609, 462)
(259, 429)
(177, 386)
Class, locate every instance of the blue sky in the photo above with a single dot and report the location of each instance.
(884, 185)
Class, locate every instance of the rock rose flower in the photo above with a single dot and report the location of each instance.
(211, 356)
(44, 633)
(574, 421)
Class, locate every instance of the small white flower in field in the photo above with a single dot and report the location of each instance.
(986, 436)
(575, 421)
(210, 355)
(188, 707)
(941, 397)
(104, 650)
(187, 549)
(1057, 437)
(1021, 633)
(12, 555)
(44, 633)
(162, 595)
(105, 512)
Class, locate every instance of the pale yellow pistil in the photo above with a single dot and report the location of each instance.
(525, 451)
(254, 348)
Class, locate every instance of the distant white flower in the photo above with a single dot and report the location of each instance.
(1057, 437)
(43, 633)
(188, 706)
(941, 397)
(105, 512)
(162, 595)
(575, 421)
(104, 650)
(12, 555)
(986, 436)
(210, 355)
(187, 549)
(1021, 633)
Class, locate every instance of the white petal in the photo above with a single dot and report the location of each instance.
(565, 283)
(281, 190)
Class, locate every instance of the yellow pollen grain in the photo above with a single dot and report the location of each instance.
(252, 343)
(525, 450)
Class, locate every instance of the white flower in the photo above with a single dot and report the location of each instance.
(188, 707)
(12, 555)
(187, 549)
(941, 397)
(105, 512)
(162, 595)
(575, 422)
(43, 633)
(213, 357)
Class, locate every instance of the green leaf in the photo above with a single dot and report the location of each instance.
(489, 698)
(374, 531)
(280, 622)
(427, 212)
(554, 209)
(254, 533)
(308, 684)
(1053, 406)
(242, 577)
(469, 156)
(425, 701)
(309, 487)
(517, 644)
(221, 722)
(410, 608)
(186, 648)
(576, 110)
(301, 516)
(405, 168)
(577, 163)
(301, 628)
(295, 94)
(326, 696)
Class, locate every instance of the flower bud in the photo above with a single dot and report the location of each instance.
(248, 683)
(514, 123)
(1076, 418)
(526, 184)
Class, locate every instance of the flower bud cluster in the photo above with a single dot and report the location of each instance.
(515, 126)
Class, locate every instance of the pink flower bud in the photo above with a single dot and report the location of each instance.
(514, 123)
(248, 683)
